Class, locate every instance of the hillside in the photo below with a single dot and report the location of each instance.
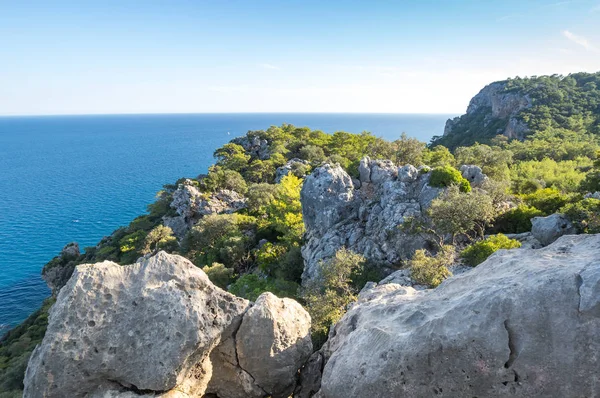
(314, 217)
(516, 108)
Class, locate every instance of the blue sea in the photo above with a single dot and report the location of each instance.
(78, 178)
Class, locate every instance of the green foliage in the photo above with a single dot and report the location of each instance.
(219, 274)
(313, 153)
(478, 252)
(446, 176)
(160, 238)
(493, 161)
(556, 144)
(517, 220)
(16, 347)
(260, 197)
(250, 286)
(585, 215)
(409, 150)
(285, 210)
(221, 238)
(548, 200)
(431, 270)
(232, 156)
(328, 295)
(565, 176)
(220, 178)
(439, 156)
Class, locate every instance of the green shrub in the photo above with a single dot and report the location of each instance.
(328, 294)
(250, 286)
(447, 175)
(517, 220)
(219, 274)
(478, 252)
(431, 270)
(585, 215)
(547, 200)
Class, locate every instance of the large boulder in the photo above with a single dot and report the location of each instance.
(367, 219)
(292, 166)
(274, 342)
(522, 324)
(159, 326)
(547, 229)
(473, 174)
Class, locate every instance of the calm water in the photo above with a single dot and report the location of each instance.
(77, 178)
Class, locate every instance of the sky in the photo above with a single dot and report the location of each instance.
(98, 57)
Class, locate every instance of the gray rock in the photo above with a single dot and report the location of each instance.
(191, 204)
(274, 342)
(408, 173)
(523, 324)
(595, 195)
(289, 167)
(473, 174)
(254, 145)
(367, 220)
(158, 327)
(547, 229)
(364, 169)
(310, 377)
(58, 271)
(70, 251)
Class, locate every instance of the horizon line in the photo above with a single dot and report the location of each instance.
(221, 113)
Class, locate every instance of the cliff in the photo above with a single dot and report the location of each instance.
(515, 108)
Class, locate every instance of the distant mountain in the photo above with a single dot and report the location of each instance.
(518, 107)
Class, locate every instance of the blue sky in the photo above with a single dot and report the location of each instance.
(76, 57)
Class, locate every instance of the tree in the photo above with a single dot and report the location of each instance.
(160, 237)
(285, 210)
(431, 270)
(409, 150)
(232, 156)
(494, 161)
(328, 295)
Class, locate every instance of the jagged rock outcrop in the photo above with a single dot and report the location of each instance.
(366, 220)
(498, 106)
(291, 166)
(473, 174)
(522, 324)
(58, 271)
(547, 229)
(191, 204)
(161, 327)
(254, 145)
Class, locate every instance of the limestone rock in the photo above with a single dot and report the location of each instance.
(595, 195)
(367, 219)
(522, 324)
(547, 229)
(273, 342)
(254, 145)
(291, 166)
(191, 205)
(473, 174)
(160, 327)
(58, 271)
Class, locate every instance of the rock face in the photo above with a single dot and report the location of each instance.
(161, 327)
(497, 104)
(254, 145)
(366, 220)
(191, 204)
(522, 324)
(547, 229)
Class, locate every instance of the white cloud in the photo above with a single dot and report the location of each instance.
(580, 40)
(269, 66)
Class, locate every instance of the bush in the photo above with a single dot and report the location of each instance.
(585, 215)
(160, 238)
(446, 176)
(328, 294)
(431, 270)
(517, 220)
(219, 178)
(250, 286)
(219, 275)
(480, 251)
(547, 200)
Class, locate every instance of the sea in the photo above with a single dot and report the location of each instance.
(78, 178)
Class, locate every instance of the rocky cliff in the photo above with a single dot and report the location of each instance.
(493, 111)
(159, 327)
(524, 323)
(364, 215)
